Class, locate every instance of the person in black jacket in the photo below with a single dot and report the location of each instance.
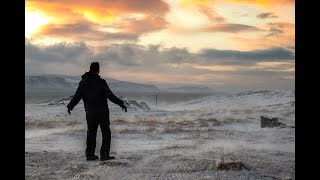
(95, 91)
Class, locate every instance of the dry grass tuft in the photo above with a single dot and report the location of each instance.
(205, 122)
(119, 121)
(129, 131)
(232, 165)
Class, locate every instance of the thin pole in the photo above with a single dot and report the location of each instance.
(156, 100)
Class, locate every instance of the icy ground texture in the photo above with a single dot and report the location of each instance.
(184, 141)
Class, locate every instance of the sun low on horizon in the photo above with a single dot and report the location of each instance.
(33, 21)
(181, 41)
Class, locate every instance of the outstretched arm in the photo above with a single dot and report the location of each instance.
(111, 96)
(75, 99)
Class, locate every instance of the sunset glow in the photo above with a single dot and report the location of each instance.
(34, 20)
(217, 38)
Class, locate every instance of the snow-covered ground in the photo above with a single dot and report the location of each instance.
(185, 140)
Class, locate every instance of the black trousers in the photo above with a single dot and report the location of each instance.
(93, 121)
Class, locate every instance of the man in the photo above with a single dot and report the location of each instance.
(95, 91)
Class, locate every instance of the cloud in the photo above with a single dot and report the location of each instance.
(266, 15)
(61, 53)
(231, 28)
(211, 14)
(205, 7)
(261, 3)
(141, 26)
(136, 55)
(97, 10)
(150, 56)
(264, 3)
(83, 31)
(99, 20)
(127, 29)
(276, 29)
(155, 63)
(143, 56)
(231, 57)
(280, 34)
(274, 32)
(281, 24)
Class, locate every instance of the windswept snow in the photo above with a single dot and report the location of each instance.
(183, 140)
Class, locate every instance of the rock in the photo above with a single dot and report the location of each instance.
(132, 104)
(267, 122)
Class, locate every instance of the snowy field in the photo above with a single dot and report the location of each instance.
(182, 140)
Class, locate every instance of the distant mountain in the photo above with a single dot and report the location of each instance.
(191, 89)
(56, 82)
(43, 83)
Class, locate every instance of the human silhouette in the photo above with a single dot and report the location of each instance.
(95, 91)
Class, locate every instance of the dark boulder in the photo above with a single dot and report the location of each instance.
(267, 122)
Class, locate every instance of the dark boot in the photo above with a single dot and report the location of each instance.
(105, 158)
(104, 154)
(92, 158)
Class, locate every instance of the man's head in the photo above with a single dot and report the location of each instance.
(94, 68)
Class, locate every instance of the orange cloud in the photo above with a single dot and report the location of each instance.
(205, 7)
(263, 3)
(246, 43)
(231, 28)
(83, 31)
(98, 11)
(128, 29)
(88, 18)
(275, 34)
(211, 14)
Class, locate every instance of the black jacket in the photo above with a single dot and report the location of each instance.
(95, 93)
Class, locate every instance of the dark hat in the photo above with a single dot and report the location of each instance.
(94, 67)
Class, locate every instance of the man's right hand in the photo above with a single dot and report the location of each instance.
(69, 111)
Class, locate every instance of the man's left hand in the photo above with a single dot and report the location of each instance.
(124, 107)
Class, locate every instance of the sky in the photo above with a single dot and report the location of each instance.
(244, 44)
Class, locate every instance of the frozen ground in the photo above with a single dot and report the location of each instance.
(185, 140)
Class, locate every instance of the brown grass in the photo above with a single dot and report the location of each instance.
(118, 121)
(185, 123)
(147, 121)
(205, 122)
(170, 127)
(129, 131)
(50, 123)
